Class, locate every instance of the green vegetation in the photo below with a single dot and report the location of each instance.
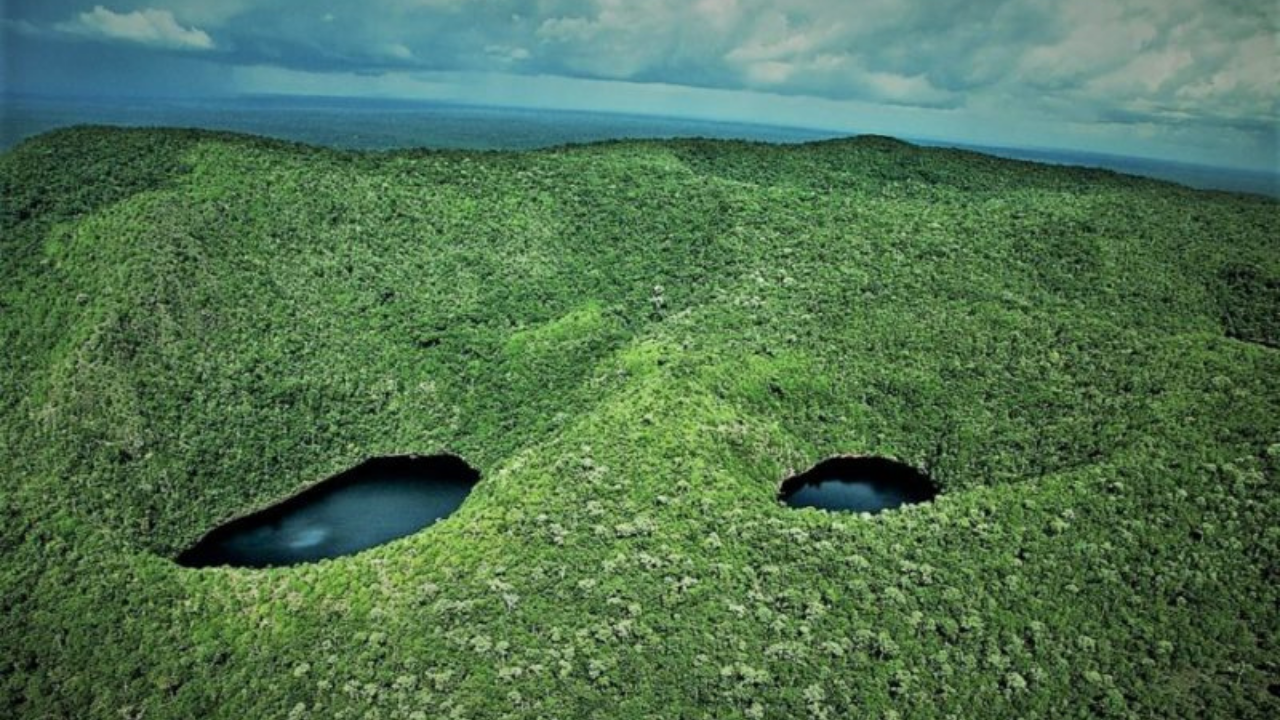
(635, 342)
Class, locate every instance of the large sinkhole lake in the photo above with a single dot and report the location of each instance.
(373, 503)
(857, 484)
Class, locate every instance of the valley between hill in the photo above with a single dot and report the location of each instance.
(635, 342)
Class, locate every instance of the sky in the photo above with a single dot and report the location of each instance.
(1188, 80)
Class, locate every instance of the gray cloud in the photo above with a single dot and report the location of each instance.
(1155, 62)
(1186, 54)
(1194, 56)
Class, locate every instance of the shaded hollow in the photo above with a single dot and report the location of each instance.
(857, 484)
(373, 503)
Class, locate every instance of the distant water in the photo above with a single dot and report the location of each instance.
(376, 124)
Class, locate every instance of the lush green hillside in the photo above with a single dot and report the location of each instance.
(635, 342)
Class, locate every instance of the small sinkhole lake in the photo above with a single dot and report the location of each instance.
(373, 503)
(857, 484)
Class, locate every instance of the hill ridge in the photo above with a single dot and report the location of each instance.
(634, 344)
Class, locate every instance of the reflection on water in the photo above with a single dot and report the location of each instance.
(857, 484)
(371, 504)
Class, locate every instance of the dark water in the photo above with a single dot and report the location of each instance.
(857, 485)
(373, 503)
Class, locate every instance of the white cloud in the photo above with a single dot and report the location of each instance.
(780, 42)
(567, 29)
(1101, 37)
(1185, 66)
(206, 13)
(908, 89)
(769, 72)
(507, 53)
(618, 40)
(721, 14)
(397, 51)
(149, 26)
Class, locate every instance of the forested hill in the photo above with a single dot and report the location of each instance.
(635, 342)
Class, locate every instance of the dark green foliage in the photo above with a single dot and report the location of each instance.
(1251, 304)
(635, 342)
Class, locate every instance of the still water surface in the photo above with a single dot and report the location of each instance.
(857, 484)
(371, 504)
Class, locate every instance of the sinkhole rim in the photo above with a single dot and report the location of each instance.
(919, 485)
(353, 475)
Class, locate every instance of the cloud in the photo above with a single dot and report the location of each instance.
(1178, 64)
(21, 27)
(1171, 59)
(507, 54)
(148, 26)
(397, 51)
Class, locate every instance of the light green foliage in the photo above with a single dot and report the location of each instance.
(635, 342)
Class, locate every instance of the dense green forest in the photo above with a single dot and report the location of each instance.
(635, 342)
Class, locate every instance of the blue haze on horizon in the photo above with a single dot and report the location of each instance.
(381, 124)
(1188, 81)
